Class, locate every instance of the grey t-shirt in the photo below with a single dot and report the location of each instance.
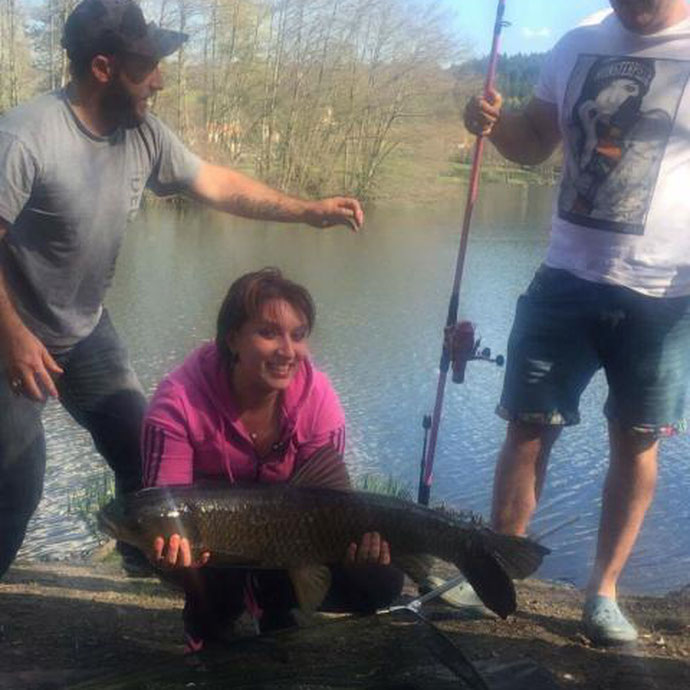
(68, 197)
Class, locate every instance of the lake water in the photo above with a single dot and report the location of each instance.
(382, 298)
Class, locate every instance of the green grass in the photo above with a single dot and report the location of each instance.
(379, 484)
(501, 173)
(86, 502)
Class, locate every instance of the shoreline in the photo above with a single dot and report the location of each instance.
(84, 624)
(445, 187)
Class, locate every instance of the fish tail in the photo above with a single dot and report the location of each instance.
(519, 556)
(491, 561)
(488, 578)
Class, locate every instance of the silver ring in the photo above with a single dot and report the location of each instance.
(16, 385)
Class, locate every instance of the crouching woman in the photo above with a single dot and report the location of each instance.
(251, 407)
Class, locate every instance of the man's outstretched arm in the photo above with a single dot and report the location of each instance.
(527, 137)
(23, 357)
(231, 191)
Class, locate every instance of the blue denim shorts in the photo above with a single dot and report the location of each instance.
(566, 328)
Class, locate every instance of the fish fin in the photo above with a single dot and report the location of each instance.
(325, 469)
(491, 561)
(488, 579)
(519, 556)
(311, 584)
(304, 619)
(416, 566)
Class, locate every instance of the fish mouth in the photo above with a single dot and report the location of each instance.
(106, 524)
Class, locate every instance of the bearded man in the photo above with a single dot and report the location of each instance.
(614, 289)
(73, 168)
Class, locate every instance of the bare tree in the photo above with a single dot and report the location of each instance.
(10, 64)
(315, 95)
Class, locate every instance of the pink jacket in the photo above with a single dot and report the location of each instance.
(192, 430)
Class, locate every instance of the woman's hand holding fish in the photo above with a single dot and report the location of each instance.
(177, 554)
(371, 550)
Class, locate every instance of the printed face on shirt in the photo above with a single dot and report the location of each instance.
(619, 120)
(270, 347)
(612, 97)
(136, 81)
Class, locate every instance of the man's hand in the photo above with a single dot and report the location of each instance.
(28, 364)
(335, 211)
(372, 550)
(482, 114)
(177, 553)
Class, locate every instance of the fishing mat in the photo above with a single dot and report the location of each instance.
(386, 652)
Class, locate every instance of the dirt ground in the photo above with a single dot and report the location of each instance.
(87, 626)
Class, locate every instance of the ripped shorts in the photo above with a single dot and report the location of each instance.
(566, 328)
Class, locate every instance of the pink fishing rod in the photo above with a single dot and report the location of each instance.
(426, 475)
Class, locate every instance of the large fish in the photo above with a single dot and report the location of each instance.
(308, 523)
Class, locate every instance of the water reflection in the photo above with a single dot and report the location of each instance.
(382, 298)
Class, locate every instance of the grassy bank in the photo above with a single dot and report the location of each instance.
(509, 174)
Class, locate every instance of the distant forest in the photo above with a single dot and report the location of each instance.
(312, 96)
(516, 78)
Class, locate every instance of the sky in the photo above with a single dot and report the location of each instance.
(535, 24)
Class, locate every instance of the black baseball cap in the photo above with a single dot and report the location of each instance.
(111, 27)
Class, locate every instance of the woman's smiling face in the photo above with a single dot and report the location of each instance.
(270, 347)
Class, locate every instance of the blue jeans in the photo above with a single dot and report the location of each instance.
(102, 393)
(567, 328)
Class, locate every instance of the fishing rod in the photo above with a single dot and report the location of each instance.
(467, 346)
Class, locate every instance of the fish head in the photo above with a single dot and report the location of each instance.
(141, 517)
(118, 520)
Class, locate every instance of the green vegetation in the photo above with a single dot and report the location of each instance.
(516, 75)
(379, 484)
(507, 173)
(312, 96)
(86, 503)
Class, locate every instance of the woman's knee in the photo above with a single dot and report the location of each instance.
(366, 588)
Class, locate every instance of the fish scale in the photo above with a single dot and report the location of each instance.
(291, 527)
(280, 527)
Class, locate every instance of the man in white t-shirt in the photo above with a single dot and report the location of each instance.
(614, 290)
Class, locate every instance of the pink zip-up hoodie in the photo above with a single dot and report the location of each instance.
(192, 429)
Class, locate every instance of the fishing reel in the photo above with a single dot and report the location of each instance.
(463, 346)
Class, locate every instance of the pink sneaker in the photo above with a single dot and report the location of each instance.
(192, 645)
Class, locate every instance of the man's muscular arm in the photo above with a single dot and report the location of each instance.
(231, 191)
(527, 137)
(23, 356)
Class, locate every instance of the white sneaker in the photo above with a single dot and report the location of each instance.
(462, 596)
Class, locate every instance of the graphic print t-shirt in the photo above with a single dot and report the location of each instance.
(622, 214)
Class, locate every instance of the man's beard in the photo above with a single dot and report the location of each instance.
(639, 5)
(653, 11)
(120, 107)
